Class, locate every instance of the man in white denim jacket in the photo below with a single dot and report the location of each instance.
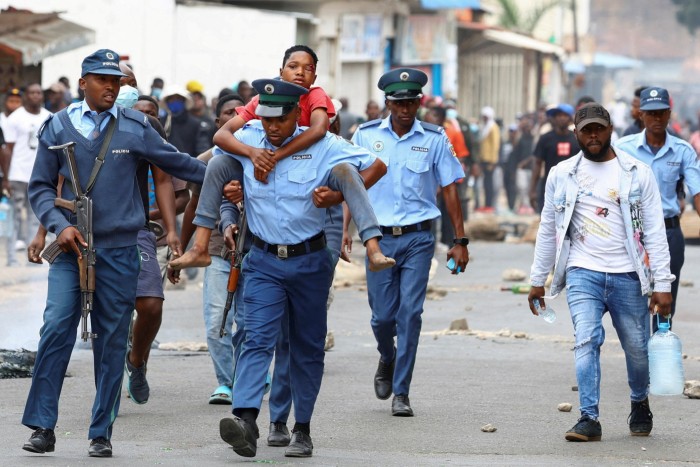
(602, 229)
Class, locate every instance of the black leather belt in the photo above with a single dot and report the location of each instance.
(396, 231)
(315, 243)
(672, 222)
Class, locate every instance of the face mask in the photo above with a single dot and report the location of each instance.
(176, 106)
(127, 96)
(156, 92)
(452, 113)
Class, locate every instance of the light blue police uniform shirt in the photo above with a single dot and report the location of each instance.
(282, 211)
(416, 163)
(675, 158)
(78, 115)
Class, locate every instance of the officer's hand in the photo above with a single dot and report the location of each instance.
(233, 191)
(263, 159)
(69, 240)
(230, 237)
(174, 244)
(324, 197)
(461, 256)
(174, 275)
(36, 246)
(346, 246)
(536, 293)
(660, 302)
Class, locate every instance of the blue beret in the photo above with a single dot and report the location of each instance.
(276, 97)
(102, 62)
(403, 83)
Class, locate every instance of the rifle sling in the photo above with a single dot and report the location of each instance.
(100, 159)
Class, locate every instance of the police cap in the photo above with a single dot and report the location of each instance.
(403, 83)
(102, 62)
(277, 97)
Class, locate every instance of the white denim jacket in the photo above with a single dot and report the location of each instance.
(641, 211)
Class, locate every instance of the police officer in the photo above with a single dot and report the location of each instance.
(289, 268)
(420, 159)
(117, 219)
(671, 159)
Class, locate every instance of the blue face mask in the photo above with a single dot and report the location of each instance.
(127, 96)
(452, 113)
(156, 92)
(176, 106)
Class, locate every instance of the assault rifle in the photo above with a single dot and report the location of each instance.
(234, 274)
(82, 208)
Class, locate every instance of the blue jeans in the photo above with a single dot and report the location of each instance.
(396, 296)
(589, 295)
(221, 349)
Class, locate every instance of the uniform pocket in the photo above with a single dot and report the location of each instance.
(301, 182)
(416, 169)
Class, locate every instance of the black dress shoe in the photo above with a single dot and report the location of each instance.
(100, 447)
(240, 434)
(279, 435)
(300, 446)
(42, 440)
(383, 379)
(401, 406)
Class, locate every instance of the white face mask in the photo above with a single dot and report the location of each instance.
(452, 113)
(127, 96)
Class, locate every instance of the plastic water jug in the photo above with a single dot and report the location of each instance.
(665, 363)
(5, 218)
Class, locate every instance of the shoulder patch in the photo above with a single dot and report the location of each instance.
(135, 115)
(43, 125)
(374, 122)
(432, 127)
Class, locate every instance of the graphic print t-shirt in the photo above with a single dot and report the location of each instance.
(597, 230)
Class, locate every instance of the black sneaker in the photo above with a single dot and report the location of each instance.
(586, 429)
(100, 447)
(279, 435)
(640, 419)
(136, 383)
(240, 434)
(41, 441)
(383, 379)
(300, 446)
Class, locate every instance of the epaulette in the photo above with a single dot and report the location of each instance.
(432, 127)
(135, 115)
(374, 122)
(43, 125)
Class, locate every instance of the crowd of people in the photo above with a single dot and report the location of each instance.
(294, 166)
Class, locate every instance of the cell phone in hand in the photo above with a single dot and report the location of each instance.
(451, 266)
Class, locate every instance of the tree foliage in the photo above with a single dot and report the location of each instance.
(688, 14)
(516, 20)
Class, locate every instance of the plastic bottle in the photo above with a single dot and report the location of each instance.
(5, 218)
(666, 376)
(548, 314)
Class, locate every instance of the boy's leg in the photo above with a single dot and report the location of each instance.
(220, 171)
(346, 179)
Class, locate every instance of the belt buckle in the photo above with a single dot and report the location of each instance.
(282, 251)
(396, 231)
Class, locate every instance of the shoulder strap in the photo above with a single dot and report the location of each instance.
(99, 160)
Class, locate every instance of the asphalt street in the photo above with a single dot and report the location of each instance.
(510, 370)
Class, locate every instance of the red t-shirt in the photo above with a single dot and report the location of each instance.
(316, 98)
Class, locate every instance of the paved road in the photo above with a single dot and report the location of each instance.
(461, 382)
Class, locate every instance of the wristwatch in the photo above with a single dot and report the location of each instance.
(464, 241)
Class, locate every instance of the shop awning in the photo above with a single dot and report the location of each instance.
(446, 4)
(521, 41)
(31, 37)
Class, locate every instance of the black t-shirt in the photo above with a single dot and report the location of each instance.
(554, 148)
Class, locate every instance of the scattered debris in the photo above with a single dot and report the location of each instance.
(435, 337)
(574, 388)
(459, 325)
(330, 342)
(564, 407)
(692, 389)
(435, 293)
(686, 283)
(468, 308)
(520, 335)
(488, 428)
(184, 346)
(514, 275)
(16, 363)
(504, 333)
(485, 228)
(685, 356)
(643, 448)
